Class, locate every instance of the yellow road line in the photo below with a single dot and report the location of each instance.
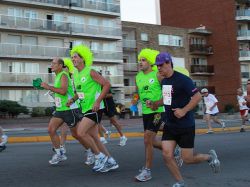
(113, 135)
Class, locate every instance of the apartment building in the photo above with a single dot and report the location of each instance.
(218, 17)
(187, 46)
(243, 37)
(32, 32)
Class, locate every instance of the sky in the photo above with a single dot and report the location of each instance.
(143, 11)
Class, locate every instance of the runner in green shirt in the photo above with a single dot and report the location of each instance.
(63, 91)
(149, 88)
(91, 89)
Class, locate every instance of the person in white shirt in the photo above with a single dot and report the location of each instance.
(211, 110)
(243, 108)
(3, 140)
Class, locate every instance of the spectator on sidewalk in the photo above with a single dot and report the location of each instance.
(211, 110)
(243, 108)
(3, 140)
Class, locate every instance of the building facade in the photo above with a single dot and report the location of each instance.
(217, 16)
(32, 32)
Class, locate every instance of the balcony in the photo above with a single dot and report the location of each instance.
(107, 56)
(94, 7)
(31, 51)
(203, 32)
(115, 80)
(243, 35)
(129, 44)
(243, 15)
(200, 49)
(23, 79)
(244, 55)
(130, 67)
(129, 90)
(10, 50)
(205, 70)
(58, 27)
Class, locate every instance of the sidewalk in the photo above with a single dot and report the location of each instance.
(35, 129)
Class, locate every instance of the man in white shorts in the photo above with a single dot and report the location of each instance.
(211, 110)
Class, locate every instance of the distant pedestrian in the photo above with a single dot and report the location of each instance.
(180, 97)
(3, 140)
(243, 108)
(211, 110)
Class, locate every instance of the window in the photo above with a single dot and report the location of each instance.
(109, 47)
(200, 83)
(54, 42)
(94, 46)
(30, 14)
(58, 19)
(14, 39)
(197, 41)
(108, 23)
(31, 68)
(198, 61)
(144, 37)
(29, 40)
(76, 19)
(170, 40)
(93, 21)
(16, 12)
(126, 82)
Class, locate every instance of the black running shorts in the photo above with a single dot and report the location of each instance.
(70, 117)
(152, 122)
(184, 137)
(94, 116)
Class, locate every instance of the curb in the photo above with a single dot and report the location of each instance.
(31, 139)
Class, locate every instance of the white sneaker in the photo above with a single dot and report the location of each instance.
(178, 184)
(103, 140)
(214, 162)
(100, 162)
(90, 159)
(62, 149)
(108, 133)
(57, 158)
(144, 176)
(109, 166)
(123, 141)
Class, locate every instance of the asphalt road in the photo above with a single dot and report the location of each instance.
(26, 165)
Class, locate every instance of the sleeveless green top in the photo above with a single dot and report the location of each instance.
(87, 89)
(61, 100)
(149, 88)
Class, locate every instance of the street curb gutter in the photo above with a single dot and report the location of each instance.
(29, 139)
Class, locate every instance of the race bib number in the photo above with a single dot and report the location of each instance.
(58, 102)
(167, 94)
(80, 95)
